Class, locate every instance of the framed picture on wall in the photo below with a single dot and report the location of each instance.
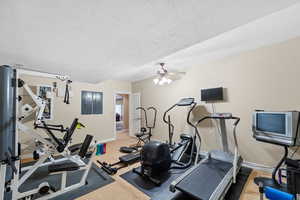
(46, 93)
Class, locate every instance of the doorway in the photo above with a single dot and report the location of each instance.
(122, 113)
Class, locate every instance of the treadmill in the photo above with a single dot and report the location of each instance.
(211, 178)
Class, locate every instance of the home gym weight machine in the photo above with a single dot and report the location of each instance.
(145, 134)
(52, 152)
(211, 178)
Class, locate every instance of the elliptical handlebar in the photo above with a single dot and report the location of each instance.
(154, 120)
(145, 114)
(146, 117)
(189, 122)
(170, 125)
(165, 113)
(189, 115)
(182, 103)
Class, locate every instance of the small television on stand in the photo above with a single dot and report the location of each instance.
(279, 128)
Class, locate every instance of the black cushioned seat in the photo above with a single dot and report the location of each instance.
(66, 166)
(59, 139)
(75, 147)
(127, 149)
(140, 134)
(130, 158)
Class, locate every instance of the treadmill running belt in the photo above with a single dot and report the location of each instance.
(203, 180)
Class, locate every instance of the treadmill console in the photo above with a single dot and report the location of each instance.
(221, 115)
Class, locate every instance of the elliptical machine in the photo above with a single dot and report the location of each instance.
(158, 158)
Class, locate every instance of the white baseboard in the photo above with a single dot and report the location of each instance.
(251, 165)
(123, 131)
(28, 155)
(259, 167)
(107, 140)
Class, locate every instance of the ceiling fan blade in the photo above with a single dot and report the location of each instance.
(176, 73)
(172, 73)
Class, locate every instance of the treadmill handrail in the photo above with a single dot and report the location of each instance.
(168, 122)
(214, 117)
(165, 113)
(234, 124)
(230, 176)
(236, 148)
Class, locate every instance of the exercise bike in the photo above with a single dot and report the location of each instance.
(158, 158)
(284, 183)
(145, 134)
(133, 155)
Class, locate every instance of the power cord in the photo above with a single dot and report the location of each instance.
(216, 124)
(293, 154)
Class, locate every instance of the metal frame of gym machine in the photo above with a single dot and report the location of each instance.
(177, 150)
(143, 136)
(10, 171)
(224, 156)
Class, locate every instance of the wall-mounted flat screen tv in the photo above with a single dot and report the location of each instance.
(212, 94)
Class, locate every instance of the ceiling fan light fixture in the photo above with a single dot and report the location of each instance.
(163, 76)
(156, 81)
(162, 80)
(169, 81)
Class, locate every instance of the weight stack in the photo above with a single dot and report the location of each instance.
(7, 114)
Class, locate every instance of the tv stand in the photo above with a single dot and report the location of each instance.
(273, 182)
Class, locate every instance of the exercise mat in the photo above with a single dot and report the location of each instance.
(97, 178)
(162, 192)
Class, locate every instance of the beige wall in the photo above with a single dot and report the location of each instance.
(101, 126)
(266, 78)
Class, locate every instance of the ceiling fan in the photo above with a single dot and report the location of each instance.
(166, 77)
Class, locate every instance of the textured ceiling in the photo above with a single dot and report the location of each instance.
(274, 28)
(111, 39)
